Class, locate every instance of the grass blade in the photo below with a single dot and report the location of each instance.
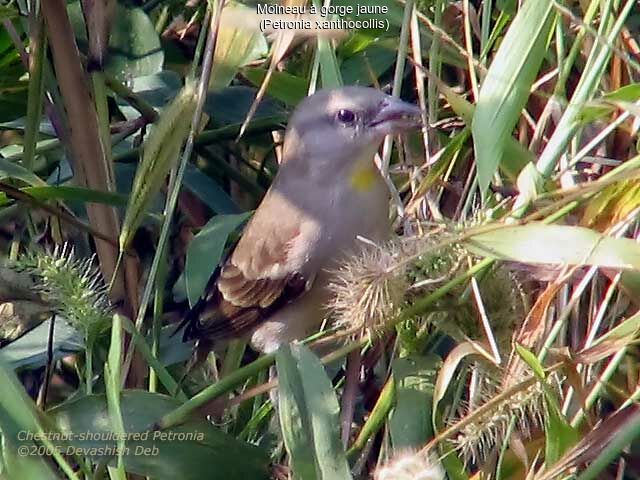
(506, 87)
(314, 427)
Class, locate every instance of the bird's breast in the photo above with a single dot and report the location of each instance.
(353, 211)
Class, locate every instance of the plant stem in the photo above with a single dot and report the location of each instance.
(88, 368)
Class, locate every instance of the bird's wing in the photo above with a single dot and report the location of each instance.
(261, 275)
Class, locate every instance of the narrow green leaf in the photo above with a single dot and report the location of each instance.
(515, 155)
(205, 252)
(12, 170)
(506, 86)
(18, 414)
(134, 45)
(531, 360)
(284, 86)
(629, 328)
(559, 435)
(293, 415)
(236, 45)
(192, 451)
(364, 67)
(160, 154)
(326, 58)
(209, 192)
(306, 391)
(556, 244)
(623, 435)
(112, 386)
(72, 194)
(324, 413)
(609, 102)
(377, 418)
(410, 421)
(36, 90)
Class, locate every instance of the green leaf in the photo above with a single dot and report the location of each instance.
(230, 106)
(410, 421)
(209, 192)
(377, 417)
(71, 194)
(506, 87)
(556, 244)
(507, 6)
(13, 84)
(515, 155)
(13, 170)
(160, 153)
(325, 57)
(452, 464)
(112, 387)
(329, 71)
(366, 66)
(293, 414)
(7, 12)
(623, 428)
(393, 16)
(531, 360)
(628, 328)
(134, 46)
(236, 46)
(192, 451)
(157, 90)
(609, 102)
(283, 86)
(30, 350)
(309, 416)
(627, 93)
(205, 252)
(17, 414)
(559, 435)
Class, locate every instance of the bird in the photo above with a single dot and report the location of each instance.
(273, 286)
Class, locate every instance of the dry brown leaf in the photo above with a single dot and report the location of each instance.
(451, 364)
(593, 443)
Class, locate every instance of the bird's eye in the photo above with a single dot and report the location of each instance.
(345, 116)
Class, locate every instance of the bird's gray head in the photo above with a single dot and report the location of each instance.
(348, 121)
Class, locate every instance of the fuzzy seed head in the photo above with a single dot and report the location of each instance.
(411, 466)
(369, 289)
(73, 287)
(488, 430)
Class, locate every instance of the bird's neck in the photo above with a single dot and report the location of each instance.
(364, 176)
(361, 174)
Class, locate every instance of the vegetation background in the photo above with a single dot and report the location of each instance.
(495, 337)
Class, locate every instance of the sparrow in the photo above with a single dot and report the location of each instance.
(272, 288)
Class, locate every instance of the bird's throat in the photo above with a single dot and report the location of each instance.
(364, 177)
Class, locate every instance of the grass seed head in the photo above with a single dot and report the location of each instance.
(487, 430)
(411, 466)
(73, 287)
(368, 290)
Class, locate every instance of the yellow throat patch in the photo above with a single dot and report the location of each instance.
(364, 178)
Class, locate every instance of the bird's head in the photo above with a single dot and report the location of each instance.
(347, 123)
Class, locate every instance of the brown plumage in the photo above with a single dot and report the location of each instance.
(327, 192)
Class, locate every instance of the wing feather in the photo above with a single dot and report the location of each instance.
(257, 278)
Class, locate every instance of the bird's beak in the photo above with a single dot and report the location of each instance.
(395, 116)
